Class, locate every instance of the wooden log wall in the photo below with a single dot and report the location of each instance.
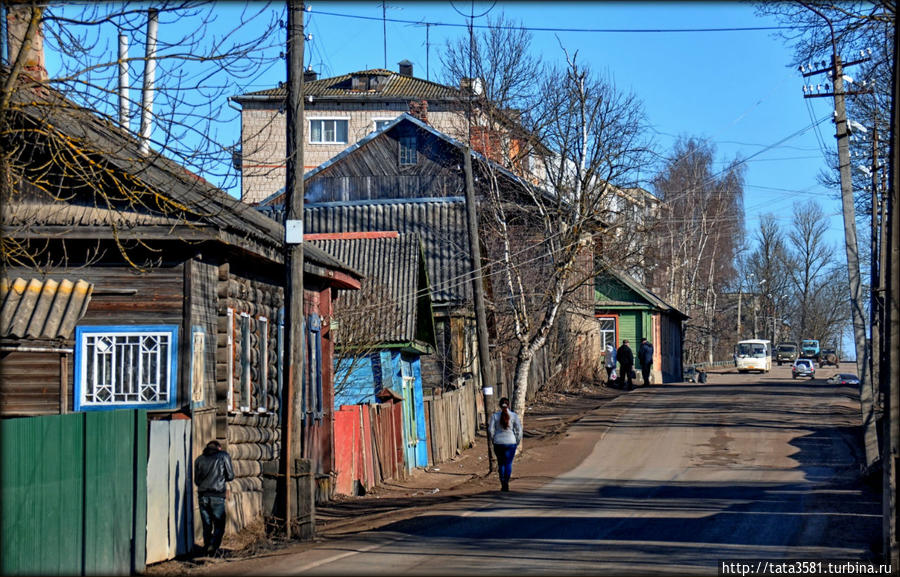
(251, 427)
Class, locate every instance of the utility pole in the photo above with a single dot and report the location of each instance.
(292, 391)
(891, 360)
(484, 356)
(866, 396)
(875, 299)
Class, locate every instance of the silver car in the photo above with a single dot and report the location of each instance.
(804, 368)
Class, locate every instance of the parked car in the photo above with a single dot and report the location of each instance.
(843, 379)
(786, 353)
(828, 357)
(804, 368)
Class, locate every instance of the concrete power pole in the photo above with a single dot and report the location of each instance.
(294, 338)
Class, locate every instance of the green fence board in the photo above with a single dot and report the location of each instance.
(40, 487)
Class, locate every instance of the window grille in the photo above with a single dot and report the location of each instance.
(122, 366)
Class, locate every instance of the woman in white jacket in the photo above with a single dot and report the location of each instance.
(505, 429)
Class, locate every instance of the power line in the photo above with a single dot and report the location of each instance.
(588, 30)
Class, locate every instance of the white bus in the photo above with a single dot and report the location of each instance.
(753, 355)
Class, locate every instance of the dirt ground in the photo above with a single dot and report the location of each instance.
(546, 421)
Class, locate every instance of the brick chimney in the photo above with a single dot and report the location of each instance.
(406, 68)
(419, 109)
(18, 18)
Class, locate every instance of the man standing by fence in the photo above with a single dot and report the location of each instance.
(212, 471)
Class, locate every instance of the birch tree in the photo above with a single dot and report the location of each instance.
(543, 236)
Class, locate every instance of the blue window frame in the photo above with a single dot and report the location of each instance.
(126, 366)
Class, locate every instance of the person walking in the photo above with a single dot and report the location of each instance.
(610, 363)
(212, 471)
(626, 364)
(645, 356)
(505, 429)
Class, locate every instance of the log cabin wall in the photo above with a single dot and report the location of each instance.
(246, 393)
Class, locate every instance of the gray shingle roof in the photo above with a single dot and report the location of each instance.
(208, 212)
(397, 86)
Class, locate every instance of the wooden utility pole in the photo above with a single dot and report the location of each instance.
(891, 371)
(292, 391)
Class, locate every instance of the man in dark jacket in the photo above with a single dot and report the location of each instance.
(626, 363)
(645, 356)
(212, 470)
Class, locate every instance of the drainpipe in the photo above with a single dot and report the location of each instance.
(149, 78)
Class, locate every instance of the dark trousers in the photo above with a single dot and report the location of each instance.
(626, 375)
(609, 371)
(505, 455)
(212, 513)
(645, 372)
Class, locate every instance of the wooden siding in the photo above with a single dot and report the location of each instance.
(31, 383)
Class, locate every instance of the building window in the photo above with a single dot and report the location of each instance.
(120, 367)
(607, 331)
(408, 150)
(328, 131)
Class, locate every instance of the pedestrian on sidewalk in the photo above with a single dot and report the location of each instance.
(610, 363)
(505, 429)
(645, 356)
(626, 364)
(212, 471)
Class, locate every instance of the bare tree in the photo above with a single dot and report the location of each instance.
(699, 231)
(770, 266)
(196, 69)
(543, 235)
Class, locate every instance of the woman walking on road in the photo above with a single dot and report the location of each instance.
(505, 429)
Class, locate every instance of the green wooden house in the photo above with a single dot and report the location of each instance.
(625, 309)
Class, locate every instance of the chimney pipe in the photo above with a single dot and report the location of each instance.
(406, 68)
(18, 19)
(309, 74)
(123, 81)
(149, 78)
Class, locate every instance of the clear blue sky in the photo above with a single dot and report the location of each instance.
(734, 88)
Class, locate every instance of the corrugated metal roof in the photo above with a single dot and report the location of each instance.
(643, 291)
(389, 289)
(42, 309)
(440, 223)
(397, 86)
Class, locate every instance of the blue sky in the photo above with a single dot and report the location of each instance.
(735, 88)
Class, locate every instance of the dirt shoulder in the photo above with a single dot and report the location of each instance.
(546, 421)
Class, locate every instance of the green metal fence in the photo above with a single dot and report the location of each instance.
(73, 491)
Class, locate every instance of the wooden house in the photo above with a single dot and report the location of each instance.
(625, 309)
(382, 331)
(149, 288)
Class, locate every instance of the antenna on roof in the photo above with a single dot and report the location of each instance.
(384, 26)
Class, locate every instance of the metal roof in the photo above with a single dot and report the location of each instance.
(641, 290)
(440, 223)
(397, 86)
(42, 309)
(391, 288)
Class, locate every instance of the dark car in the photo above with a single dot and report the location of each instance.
(843, 379)
(786, 353)
(804, 368)
(828, 357)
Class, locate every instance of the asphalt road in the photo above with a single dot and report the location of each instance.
(681, 477)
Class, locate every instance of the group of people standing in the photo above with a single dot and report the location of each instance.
(625, 358)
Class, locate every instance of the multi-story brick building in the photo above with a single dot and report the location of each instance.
(341, 110)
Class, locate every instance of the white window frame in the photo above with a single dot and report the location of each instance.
(99, 355)
(603, 332)
(324, 119)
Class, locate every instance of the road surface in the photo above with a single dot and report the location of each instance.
(681, 477)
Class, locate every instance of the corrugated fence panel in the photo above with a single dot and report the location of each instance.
(110, 484)
(41, 485)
